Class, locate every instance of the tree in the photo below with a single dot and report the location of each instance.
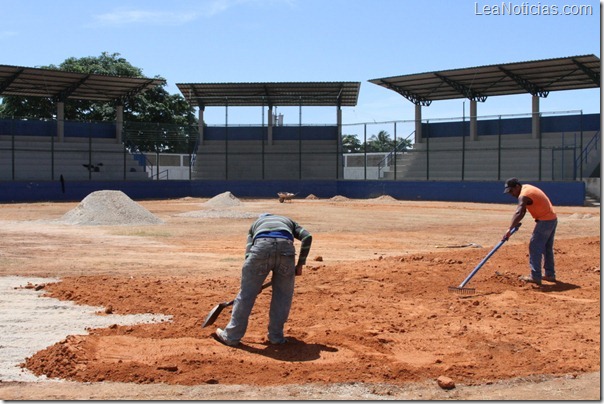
(153, 105)
(154, 120)
(382, 142)
(351, 144)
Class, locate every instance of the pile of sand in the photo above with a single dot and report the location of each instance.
(109, 208)
(225, 199)
(385, 198)
(339, 198)
(219, 214)
(311, 196)
(580, 216)
(220, 208)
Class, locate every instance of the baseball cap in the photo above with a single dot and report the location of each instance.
(510, 183)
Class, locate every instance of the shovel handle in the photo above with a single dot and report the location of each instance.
(215, 312)
(266, 285)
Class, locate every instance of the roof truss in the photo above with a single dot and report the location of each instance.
(271, 94)
(538, 78)
(62, 85)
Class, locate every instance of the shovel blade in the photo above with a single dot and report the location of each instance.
(213, 314)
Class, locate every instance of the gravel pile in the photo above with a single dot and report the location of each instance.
(223, 200)
(221, 207)
(109, 208)
(384, 198)
(220, 214)
(339, 198)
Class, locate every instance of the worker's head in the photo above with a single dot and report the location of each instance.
(512, 186)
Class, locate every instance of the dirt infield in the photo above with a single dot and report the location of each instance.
(372, 317)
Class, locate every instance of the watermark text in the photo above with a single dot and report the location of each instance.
(526, 8)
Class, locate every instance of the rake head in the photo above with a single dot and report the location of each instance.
(462, 291)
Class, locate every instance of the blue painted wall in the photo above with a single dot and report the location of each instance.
(510, 126)
(48, 128)
(326, 132)
(570, 193)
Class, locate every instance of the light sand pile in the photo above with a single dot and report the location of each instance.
(223, 200)
(580, 216)
(219, 214)
(339, 198)
(385, 198)
(220, 208)
(109, 208)
(311, 196)
(31, 322)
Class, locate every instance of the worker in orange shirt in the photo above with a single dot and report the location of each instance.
(541, 246)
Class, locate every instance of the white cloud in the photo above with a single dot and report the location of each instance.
(7, 34)
(125, 16)
(205, 9)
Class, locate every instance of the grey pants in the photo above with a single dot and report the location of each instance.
(266, 255)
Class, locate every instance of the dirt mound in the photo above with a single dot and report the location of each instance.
(219, 214)
(220, 208)
(311, 196)
(384, 198)
(387, 320)
(580, 216)
(223, 200)
(339, 198)
(109, 208)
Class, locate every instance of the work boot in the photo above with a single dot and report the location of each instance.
(528, 278)
(221, 336)
(549, 278)
(278, 342)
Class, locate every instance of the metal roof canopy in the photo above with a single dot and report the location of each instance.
(477, 83)
(61, 85)
(271, 94)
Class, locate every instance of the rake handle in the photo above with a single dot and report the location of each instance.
(485, 259)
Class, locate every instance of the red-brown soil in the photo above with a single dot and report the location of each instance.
(372, 305)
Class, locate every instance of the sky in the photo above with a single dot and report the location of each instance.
(222, 41)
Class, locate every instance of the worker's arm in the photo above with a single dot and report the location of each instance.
(249, 243)
(306, 239)
(523, 201)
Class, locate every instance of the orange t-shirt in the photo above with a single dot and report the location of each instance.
(541, 208)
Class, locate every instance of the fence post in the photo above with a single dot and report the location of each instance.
(463, 142)
(540, 148)
(581, 142)
(226, 139)
(52, 157)
(125, 155)
(89, 156)
(365, 151)
(575, 158)
(300, 140)
(395, 151)
(262, 142)
(499, 148)
(13, 151)
(157, 163)
(428, 150)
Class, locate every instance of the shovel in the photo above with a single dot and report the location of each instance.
(215, 312)
(470, 291)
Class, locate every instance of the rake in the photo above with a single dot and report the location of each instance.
(461, 289)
